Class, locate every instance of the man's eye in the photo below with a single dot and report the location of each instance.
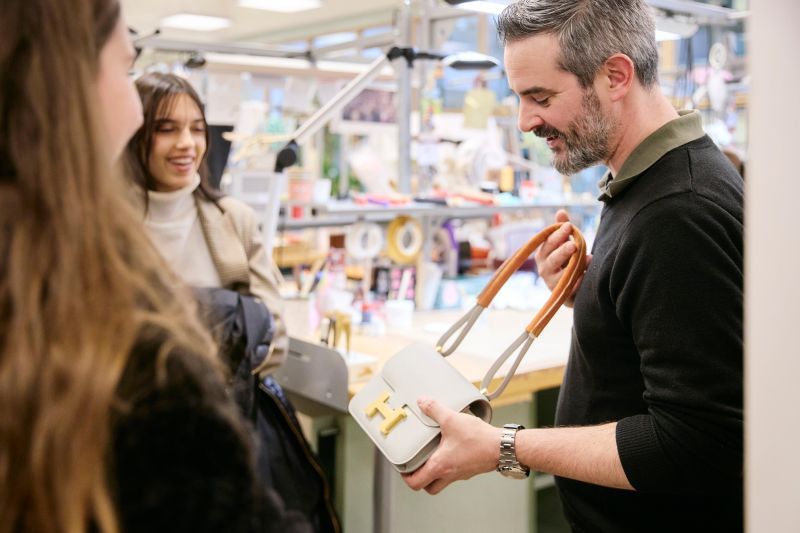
(543, 101)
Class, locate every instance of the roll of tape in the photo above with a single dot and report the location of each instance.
(404, 240)
(364, 240)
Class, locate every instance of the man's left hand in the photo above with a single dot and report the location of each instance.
(469, 446)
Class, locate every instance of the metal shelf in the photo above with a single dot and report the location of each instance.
(342, 213)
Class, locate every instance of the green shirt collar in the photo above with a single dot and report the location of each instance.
(686, 128)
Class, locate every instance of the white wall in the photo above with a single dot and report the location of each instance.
(772, 275)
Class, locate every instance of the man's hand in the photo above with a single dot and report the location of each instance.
(469, 446)
(552, 256)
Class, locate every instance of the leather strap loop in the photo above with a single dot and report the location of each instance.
(563, 289)
(573, 271)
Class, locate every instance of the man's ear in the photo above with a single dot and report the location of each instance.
(618, 75)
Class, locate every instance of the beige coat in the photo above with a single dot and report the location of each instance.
(234, 239)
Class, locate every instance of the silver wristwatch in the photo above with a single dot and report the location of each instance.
(509, 466)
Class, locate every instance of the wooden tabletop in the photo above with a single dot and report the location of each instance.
(542, 367)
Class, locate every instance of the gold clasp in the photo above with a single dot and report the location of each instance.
(391, 416)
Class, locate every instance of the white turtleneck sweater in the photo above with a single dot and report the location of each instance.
(173, 224)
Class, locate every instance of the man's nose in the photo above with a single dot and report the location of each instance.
(529, 123)
(528, 119)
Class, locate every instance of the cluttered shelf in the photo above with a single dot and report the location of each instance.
(344, 212)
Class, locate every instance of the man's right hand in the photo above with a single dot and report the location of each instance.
(553, 255)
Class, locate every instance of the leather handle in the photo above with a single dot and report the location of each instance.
(563, 289)
(560, 293)
(575, 266)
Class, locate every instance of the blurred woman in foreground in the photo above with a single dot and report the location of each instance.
(113, 413)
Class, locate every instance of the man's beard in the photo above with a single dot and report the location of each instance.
(586, 140)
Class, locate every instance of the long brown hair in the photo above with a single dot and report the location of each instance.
(79, 280)
(159, 93)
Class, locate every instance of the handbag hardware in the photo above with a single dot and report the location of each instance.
(404, 434)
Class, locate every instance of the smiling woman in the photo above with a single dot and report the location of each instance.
(179, 144)
(170, 148)
(208, 239)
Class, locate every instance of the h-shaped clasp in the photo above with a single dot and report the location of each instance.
(391, 416)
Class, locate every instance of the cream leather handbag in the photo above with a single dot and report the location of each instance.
(386, 408)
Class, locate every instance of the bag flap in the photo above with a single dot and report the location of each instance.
(419, 370)
(413, 372)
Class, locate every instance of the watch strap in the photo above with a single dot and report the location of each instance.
(508, 464)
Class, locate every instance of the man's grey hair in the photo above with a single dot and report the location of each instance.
(589, 32)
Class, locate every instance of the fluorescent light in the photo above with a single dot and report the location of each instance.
(667, 36)
(281, 6)
(287, 63)
(482, 6)
(190, 21)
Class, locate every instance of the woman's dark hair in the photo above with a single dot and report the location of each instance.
(159, 93)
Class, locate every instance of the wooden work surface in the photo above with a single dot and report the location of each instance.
(542, 367)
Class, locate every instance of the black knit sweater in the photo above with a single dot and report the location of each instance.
(657, 347)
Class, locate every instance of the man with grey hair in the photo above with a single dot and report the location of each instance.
(649, 418)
